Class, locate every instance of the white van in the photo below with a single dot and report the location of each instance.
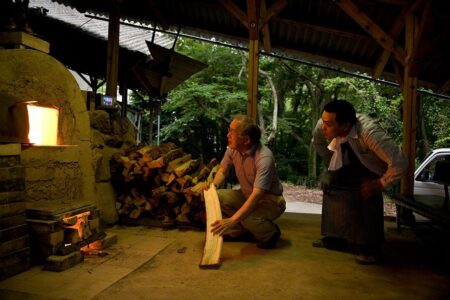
(423, 176)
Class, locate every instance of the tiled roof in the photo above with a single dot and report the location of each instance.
(131, 37)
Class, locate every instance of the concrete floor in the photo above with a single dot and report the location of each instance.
(152, 263)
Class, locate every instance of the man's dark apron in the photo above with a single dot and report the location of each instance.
(345, 214)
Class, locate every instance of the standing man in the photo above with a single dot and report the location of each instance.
(259, 201)
(363, 161)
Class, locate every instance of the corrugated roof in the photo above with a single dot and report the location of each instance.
(131, 38)
(80, 42)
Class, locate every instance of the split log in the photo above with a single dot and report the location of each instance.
(173, 154)
(187, 167)
(213, 243)
(172, 165)
(183, 215)
(136, 212)
(163, 181)
(156, 164)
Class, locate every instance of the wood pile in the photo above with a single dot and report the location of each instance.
(161, 182)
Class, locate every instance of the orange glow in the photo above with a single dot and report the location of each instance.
(80, 225)
(43, 125)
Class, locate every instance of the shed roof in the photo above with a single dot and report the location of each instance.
(320, 30)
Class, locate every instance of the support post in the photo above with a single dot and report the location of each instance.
(112, 62)
(253, 59)
(409, 91)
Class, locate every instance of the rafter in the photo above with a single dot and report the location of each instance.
(272, 11)
(395, 31)
(445, 87)
(372, 29)
(420, 41)
(265, 28)
(235, 11)
(266, 16)
(158, 15)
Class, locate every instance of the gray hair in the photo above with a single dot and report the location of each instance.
(248, 127)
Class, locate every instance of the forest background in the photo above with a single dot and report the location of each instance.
(291, 96)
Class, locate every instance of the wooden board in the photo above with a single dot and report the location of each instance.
(213, 243)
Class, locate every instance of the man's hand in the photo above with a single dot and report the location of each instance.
(221, 226)
(205, 185)
(370, 187)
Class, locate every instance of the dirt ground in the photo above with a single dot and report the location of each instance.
(298, 193)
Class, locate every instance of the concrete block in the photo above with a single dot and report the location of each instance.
(10, 149)
(57, 263)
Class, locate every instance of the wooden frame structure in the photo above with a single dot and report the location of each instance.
(363, 35)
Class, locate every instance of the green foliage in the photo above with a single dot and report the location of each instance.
(197, 113)
(198, 110)
(437, 112)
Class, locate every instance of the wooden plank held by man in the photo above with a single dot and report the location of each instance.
(213, 243)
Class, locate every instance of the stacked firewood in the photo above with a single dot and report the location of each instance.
(161, 182)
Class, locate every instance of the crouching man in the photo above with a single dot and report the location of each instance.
(251, 210)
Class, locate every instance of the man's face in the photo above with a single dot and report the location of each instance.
(236, 140)
(331, 128)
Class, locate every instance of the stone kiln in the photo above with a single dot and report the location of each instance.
(57, 178)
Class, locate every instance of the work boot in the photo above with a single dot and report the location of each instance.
(272, 242)
(330, 243)
(367, 259)
(244, 237)
(368, 256)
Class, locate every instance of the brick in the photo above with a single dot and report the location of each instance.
(12, 172)
(9, 161)
(45, 245)
(12, 185)
(11, 221)
(9, 197)
(13, 232)
(58, 263)
(43, 226)
(12, 209)
(14, 245)
(109, 240)
(10, 149)
(14, 263)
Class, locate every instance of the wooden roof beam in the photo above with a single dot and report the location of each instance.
(372, 29)
(235, 11)
(158, 15)
(395, 31)
(273, 11)
(421, 43)
(265, 27)
(445, 87)
(266, 15)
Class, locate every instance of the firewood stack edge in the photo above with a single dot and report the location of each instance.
(163, 183)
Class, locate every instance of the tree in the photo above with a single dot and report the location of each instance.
(291, 98)
(197, 112)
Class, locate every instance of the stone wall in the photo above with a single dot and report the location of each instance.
(110, 135)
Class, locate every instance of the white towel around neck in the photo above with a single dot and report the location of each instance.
(335, 146)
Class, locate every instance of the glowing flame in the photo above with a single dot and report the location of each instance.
(80, 222)
(43, 125)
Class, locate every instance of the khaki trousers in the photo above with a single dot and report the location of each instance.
(260, 221)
